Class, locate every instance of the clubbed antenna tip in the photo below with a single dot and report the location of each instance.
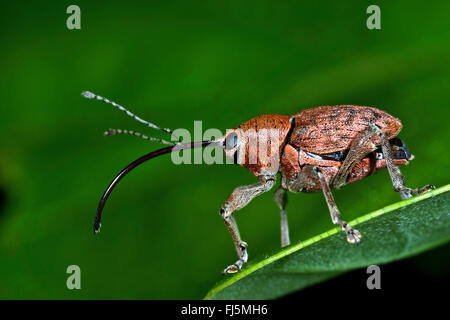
(88, 95)
(137, 134)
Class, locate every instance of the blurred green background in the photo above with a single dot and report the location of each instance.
(173, 63)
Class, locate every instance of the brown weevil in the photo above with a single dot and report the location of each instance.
(317, 149)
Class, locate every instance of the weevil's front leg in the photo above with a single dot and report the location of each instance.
(238, 199)
(353, 235)
(280, 197)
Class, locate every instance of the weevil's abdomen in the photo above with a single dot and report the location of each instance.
(330, 129)
(294, 161)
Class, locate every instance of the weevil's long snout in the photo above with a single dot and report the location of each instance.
(141, 160)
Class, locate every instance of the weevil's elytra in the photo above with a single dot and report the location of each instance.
(329, 129)
(317, 149)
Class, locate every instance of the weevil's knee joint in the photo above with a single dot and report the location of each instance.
(243, 245)
(317, 171)
(376, 129)
(224, 212)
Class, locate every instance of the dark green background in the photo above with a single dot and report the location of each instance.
(173, 63)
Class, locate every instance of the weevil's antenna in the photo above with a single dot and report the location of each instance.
(90, 95)
(141, 160)
(112, 132)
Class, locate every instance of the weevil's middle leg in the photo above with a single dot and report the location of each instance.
(280, 197)
(353, 235)
(238, 199)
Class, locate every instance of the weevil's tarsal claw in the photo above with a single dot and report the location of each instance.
(353, 235)
(234, 267)
(407, 193)
(238, 264)
(231, 269)
(426, 188)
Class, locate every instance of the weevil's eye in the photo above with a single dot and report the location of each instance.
(231, 141)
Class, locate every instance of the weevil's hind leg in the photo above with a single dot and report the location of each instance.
(238, 199)
(353, 235)
(398, 181)
(280, 197)
(364, 144)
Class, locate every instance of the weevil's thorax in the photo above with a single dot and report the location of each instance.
(257, 143)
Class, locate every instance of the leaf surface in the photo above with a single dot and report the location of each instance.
(395, 232)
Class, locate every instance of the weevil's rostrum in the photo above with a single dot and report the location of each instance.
(315, 150)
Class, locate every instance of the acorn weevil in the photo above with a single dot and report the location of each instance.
(317, 149)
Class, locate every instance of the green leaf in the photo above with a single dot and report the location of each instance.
(397, 231)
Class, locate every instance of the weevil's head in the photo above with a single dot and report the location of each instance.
(256, 144)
